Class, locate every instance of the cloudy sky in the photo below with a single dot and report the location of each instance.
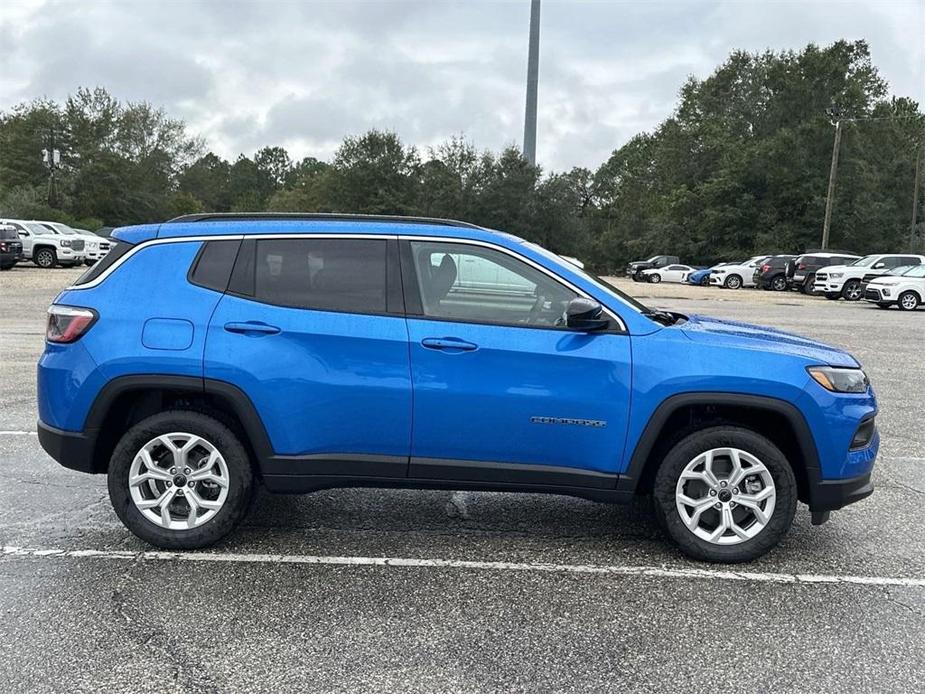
(304, 74)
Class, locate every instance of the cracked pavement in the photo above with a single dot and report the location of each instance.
(130, 624)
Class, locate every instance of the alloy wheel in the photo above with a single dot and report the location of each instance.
(853, 291)
(178, 481)
(779, 284)
(44, 259)
(725, 496)
(908, 301)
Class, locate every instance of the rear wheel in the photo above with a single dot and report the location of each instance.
(45, 258)
(908, 301)
(180, 480)
(808, 286)
(779, 283)
(832, 296)
(881, 304)
(733, 282)
(852, 290)
(705, 282)
(725, 494)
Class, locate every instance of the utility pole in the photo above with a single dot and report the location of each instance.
(533, 73)
(833, 171)
(51, 157)
(919, 155)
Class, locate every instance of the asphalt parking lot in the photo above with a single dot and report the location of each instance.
(385, 590)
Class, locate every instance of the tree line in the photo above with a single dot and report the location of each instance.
(740, 167)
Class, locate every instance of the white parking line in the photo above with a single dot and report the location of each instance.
(18, 433)
(402, 562)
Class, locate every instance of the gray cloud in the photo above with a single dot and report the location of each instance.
(304, 75)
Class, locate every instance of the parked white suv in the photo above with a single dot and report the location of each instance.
(844, 281)
(737, 275)
(906, 290)
(96, 248)
(46, 248)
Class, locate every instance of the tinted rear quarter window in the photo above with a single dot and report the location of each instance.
(346, 275)
(213, 264)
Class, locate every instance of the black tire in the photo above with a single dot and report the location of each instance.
(908, 301)
(637, 276)
(807, 287)
(6, 267)
(852, 291)
(832, 296)
(705, 282)
(89, 263)
(881, 304)
(240, 480)
(654, 278)
(779, 283)
(733, 282)
(686, 450)
(45, 258)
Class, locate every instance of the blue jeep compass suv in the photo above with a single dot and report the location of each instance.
(211, 353)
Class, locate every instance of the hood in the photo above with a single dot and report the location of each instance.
(835, 268)
(745, 336)
(890, 279)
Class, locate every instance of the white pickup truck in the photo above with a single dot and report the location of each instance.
(46, 248)
(844, 281)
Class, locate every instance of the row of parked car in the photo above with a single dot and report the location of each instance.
(49, 244)
(884, 279)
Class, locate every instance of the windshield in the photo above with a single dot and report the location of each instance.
(37, 228)
(61, 228)
(594, 279)
(866, 261)
(8, 233)
(915, 271)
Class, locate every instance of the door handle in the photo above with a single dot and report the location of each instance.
(255, 328)
(449, 344)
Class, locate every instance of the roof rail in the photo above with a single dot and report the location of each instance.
(323, 216)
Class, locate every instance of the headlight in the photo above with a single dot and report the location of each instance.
(839, 380)
(836, 275)
(65, 242)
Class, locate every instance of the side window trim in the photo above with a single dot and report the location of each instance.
(414, 306)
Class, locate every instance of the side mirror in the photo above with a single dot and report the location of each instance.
(879, 266)
(586, 315)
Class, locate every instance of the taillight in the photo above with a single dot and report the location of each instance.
(801, 266)
(68, 323)
(3, 247)
(765, 268)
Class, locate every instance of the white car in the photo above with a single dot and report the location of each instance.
(46, 248)
(96, 247)
(669, 273)
(906, 291)
(737, 275)
(844, 281)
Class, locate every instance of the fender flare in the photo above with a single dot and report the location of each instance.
(240, 404)
(631, 477)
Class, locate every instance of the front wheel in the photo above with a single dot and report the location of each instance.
(908, 301)
(733, 282)
(180, 480)
(655, 278)
(852, 290)
(46, 258)
(725, 494)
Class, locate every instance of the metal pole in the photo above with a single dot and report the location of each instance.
(915, 196)
(533, 73)
(833, 171)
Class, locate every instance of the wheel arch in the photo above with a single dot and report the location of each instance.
(679, 415)
(126, 400)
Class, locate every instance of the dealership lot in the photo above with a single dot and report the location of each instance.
(437, 591)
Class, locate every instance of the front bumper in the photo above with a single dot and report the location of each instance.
(831, 495)
(72, 449)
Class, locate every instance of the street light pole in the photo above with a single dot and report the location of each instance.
(919, 155)
(533, 73)
(833, 172)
